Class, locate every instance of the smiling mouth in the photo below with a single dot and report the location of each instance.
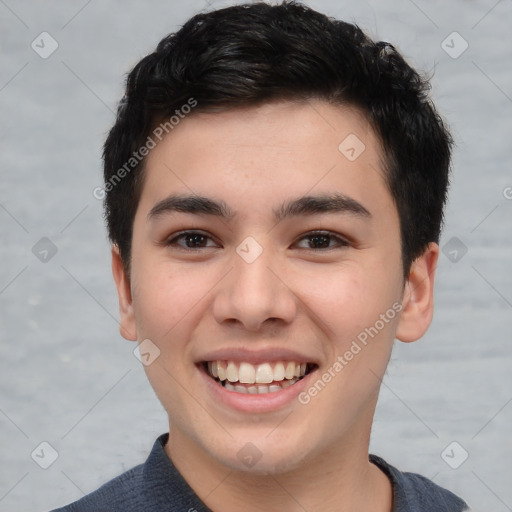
(244, 377)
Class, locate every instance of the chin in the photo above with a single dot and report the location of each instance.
(262, 456)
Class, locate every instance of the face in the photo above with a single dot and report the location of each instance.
(266, 273)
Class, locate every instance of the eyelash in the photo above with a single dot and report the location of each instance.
(341, 242)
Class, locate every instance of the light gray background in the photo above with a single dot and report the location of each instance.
(68, 378)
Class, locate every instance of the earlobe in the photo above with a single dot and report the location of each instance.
(418, 298)
(127, 326)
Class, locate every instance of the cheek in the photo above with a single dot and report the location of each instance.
(168, 303)
(165, 297)
(349, 300)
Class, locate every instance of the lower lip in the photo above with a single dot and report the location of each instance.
(246, 402)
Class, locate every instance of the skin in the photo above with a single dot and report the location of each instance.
(316, 300)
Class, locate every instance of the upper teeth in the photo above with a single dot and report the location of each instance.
(248, 373)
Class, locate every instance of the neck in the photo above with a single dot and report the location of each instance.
(335, 480)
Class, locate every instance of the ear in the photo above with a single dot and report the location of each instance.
(127, 326)
(418, 298)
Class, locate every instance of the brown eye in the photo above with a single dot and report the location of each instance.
(191, 240)
(324, 240)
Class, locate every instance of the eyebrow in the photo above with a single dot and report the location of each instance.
(302, 206)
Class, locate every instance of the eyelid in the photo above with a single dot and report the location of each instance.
(341, 240)
(170, 240)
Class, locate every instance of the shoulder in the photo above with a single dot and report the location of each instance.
(122, 493)
(155, 486)
(415, 493)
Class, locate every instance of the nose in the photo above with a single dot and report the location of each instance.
(255, 294)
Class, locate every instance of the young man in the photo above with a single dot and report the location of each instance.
(275, 183)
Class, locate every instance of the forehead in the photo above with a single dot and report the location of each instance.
(259, 156)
